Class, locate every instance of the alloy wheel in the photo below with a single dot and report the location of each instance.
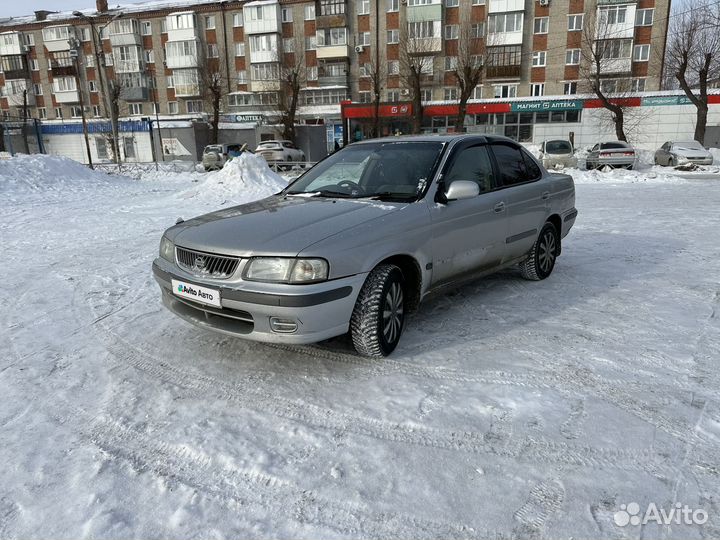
(393, 313)
(546, 251)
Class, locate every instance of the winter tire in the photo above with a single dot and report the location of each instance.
(541, 260)
(378, 318)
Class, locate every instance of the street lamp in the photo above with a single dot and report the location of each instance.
(104, 83)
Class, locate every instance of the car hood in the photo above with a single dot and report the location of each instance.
(277, 225)
(690, 152)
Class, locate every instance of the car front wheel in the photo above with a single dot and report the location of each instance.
(378, 318)
(541, 259)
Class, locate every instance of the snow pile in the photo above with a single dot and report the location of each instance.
(40, 172)
(242, 179)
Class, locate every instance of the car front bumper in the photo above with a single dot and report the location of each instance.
(560, 161)
(698, 161)
(319, 311)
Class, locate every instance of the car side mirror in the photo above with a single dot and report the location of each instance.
(462, 189)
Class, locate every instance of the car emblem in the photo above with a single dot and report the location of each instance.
(199, 263)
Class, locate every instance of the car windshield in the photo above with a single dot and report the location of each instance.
(390, 170)
(213, 148)
(690, 145)
(558, 147)
(610, 145)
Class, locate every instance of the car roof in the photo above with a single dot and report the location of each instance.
(445, 138)
(685, 142)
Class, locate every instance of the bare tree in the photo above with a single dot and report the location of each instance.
(416, 68)
(693, 55)
(468, 69)
(376, 71)
(606, 56)
(292, 77)
(213, 77)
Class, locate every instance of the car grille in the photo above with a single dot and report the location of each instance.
(206, 264)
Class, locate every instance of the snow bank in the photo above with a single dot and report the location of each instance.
(242, 179)
(40, 172)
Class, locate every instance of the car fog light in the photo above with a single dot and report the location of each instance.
(283, 326)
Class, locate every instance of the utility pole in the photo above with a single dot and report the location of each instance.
(225, 44)
(75, 46)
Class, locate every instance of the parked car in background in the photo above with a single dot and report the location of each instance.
(557, 153)
(681, 152)
(274, 151)
(612, 153)
(361, 238)
(216, 155)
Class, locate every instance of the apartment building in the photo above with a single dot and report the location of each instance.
(158, 56)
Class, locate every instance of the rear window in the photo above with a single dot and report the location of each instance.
(269, 146)
(214, 148)
(611, 145)
(558, 147)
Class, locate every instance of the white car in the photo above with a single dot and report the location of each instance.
(274, 151)
(557, 153)
(682, 152)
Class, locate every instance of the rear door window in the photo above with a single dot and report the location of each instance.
(533, 170)
(511, 164)
(472, 164)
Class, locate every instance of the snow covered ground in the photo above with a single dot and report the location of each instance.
(511, 408)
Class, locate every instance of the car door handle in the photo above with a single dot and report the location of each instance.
(499, 207)
(546, 195)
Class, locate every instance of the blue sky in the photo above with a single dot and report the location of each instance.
(12, 8)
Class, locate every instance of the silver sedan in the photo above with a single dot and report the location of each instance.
(359, 240)
(613, 154)
(682, 152)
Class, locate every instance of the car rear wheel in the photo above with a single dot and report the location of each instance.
(541, 259)
(671, 162)
(378, 318)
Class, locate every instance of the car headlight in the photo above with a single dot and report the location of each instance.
(167, 250)
(286, 270)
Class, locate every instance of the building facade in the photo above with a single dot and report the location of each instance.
(55, 65)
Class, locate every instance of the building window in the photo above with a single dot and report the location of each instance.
(477, 30)
(75, 111)
(393, 95)
(638, 85)
(163, 26)
(331, 37)
(135, 109)
(212, 50)
(363, 7)
(210, 22)
(194, 107)
(541, 25)
(644, 17)
(452, 31)
(237, 19)
(323, 97)
(426, 94)
(365, 70)
(537, 89)
(450, 94)
(478, 2)
(613, 15)
(393, 36)
(288, 45)
(608, 86)
(145, 28)
(64, 84)
(363, 39)
(96, 111)
(29, 40)
(90, 61)
(393, 5)
(641, 53)
(452, 3)
(58, 112)
(42, 113)
(365, 97)
(310, 12)
(170, 81)
(451, 63)
(422, 29)
(109, 59)
(286, 14)
(149, 56)
(310, 43)
(570, 88)
(615, 48)
(312, 73)
(37, 89)
(129, 147)
(393, 67)
(265, 72)
(101, 148)
(172, 107)
(539, 58)
(34, 64)
(505, 91)
(572, 57)
(575, 22)
(505, 22)
(477, 92)
(242, 77)
(240, 48)
(92, 86)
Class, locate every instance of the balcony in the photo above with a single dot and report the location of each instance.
(613, 66)
(11, 43)
(503, 72)
(136, 93)
(262, 17)
(330, 21)
(332, 51)
(181, 26)
(125, 32)
(500, 6)
(330, 13)
(426, 12)
(332, 80)
(264, 85)
(181, 54)
(128, 59)
(15, 66)
(15, 89)
(61, 69)
(424, 46)
(68, 96)
(56, 38)
(187, 82)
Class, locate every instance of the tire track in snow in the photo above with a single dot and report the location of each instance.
(545, 499)
(9, 511)
(249, 395)
(248, 488)
(572, 427)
